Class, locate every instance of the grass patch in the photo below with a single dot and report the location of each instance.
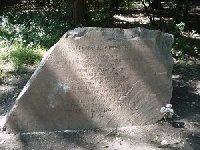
(21, 56)
(26, 35)
(4, 59)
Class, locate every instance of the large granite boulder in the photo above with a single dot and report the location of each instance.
(97, 78)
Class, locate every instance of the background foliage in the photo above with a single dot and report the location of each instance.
(29, 28)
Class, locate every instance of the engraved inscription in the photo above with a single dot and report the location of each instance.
(101, 78)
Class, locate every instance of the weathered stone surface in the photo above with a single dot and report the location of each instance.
(97, 78)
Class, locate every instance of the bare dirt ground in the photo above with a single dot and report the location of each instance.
(181, 133)
(151, 137)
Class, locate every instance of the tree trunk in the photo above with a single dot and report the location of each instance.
(79, 12)
(114, 5)
(186, 10)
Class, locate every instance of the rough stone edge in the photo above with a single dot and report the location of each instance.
(28, 84)
(139, 32)
(127, 34)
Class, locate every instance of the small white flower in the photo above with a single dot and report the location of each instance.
(168, 106)
(167, 111)
(162, 110)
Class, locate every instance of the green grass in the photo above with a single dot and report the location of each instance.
(27, 35)
(25, 56)
(35, 27)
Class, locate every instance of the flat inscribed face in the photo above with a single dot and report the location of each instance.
(105, 78)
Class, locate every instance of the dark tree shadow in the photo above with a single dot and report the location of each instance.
(56, 140)
(186, 100)
(11, 87)
(194, 140)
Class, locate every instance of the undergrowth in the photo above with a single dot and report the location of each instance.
(25, 56)
(26, 35)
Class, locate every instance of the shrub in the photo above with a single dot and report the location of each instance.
(21, 56)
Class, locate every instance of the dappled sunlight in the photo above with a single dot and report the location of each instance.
(99, 81)
(144, 70)
(191, 34)
(100, 88)
(112, 83)
(136, 18)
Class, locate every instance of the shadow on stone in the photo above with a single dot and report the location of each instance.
(121, 80)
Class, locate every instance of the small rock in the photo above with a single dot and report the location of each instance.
(175, 76)
(1, 81)
(105, 146)
(193, 103)
(2, 142)
(164, 142)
